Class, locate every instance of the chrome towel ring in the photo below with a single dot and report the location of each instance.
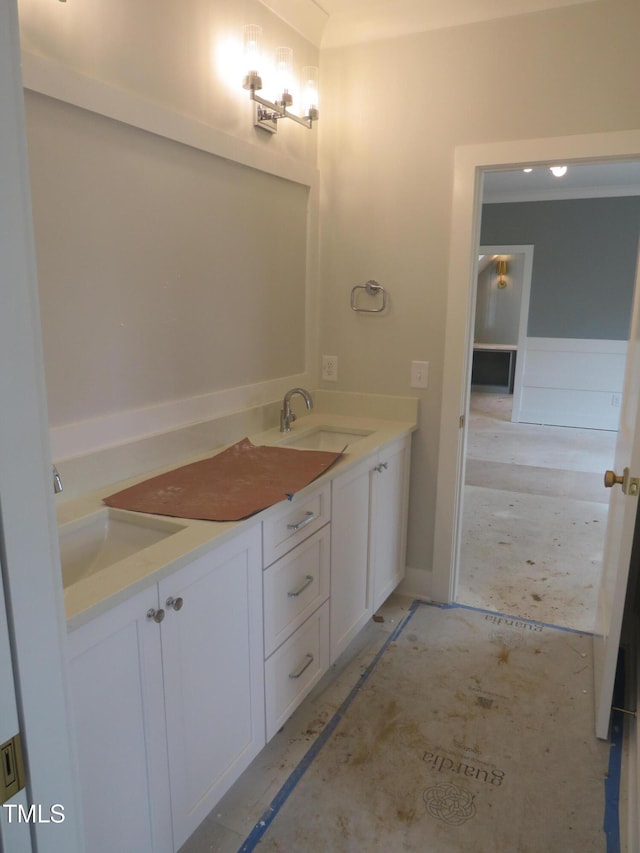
(373, 289)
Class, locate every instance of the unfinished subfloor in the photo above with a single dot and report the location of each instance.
(534, 517)
(441, 729)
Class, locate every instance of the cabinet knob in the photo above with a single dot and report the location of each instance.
(156, 615)
(175, 603)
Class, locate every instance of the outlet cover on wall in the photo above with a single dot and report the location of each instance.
(330, 368)
(419, 374)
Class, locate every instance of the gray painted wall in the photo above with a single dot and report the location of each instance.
(583, 263)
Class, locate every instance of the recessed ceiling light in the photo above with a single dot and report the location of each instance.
(558, 171)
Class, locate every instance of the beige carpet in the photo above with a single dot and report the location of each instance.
(470, 732)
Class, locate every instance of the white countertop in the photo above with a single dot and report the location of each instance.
(99, 592)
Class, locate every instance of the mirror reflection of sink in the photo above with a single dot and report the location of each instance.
(326, 438)
(94, 542)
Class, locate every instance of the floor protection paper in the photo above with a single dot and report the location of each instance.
(471, 732)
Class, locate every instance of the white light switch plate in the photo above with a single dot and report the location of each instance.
(419, 374)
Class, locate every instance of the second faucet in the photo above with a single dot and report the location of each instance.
(286, 415)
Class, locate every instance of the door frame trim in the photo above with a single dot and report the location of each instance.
(470, 161)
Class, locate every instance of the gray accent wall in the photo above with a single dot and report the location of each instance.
(584, 262)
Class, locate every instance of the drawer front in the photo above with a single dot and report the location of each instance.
(295, 523)
(295, 586)
(295, 667)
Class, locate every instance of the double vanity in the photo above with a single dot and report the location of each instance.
(191, 642)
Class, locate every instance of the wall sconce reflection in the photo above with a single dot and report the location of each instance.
(268, 113)
(501, 272)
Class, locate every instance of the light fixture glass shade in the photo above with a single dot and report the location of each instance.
(558, 171)
(284, 75)
(252, 41)
(310, 91)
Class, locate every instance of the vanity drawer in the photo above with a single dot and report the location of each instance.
(295, 586)
(295, 667)
(294, 523)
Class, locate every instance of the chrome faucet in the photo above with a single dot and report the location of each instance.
(286, 415)
(57, 481)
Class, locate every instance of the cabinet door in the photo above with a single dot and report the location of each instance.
(117, 710)
(389, 520)
(214, 675)
(350, 588)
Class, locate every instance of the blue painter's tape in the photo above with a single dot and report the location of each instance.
(515, 618)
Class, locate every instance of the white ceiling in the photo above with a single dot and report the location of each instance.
(580, 181)
(334, 23)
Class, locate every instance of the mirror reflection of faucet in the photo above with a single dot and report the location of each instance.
(286, 415)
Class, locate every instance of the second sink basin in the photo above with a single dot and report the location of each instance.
(99, 540)
(325, 438)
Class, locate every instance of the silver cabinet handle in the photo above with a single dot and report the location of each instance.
(156, 615)
(306, 520)
(306, 665)
(175, 603)
(381, 467)
(296, 592)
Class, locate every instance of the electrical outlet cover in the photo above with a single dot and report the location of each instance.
(330, 368)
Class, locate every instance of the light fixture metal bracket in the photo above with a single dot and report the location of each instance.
(268, 113)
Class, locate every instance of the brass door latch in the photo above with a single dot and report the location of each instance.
(11, 768)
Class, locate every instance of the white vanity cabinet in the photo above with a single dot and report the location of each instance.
(117, 710)
(388, 527)
(212, 653)
(168, 713)
(296, 609)
(368, 539)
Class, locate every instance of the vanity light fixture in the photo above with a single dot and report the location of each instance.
(501, 272)
(268, 113)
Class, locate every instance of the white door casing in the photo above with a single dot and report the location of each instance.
(470, 162)
(13, 836)
(620, 531)
(30, 565)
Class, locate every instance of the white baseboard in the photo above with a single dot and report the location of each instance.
(417, 583)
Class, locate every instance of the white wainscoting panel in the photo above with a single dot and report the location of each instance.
(572, 382)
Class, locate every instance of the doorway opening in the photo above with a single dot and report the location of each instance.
(534, 506)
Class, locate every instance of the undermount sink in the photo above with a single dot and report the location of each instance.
(326, 438)
(99, 540)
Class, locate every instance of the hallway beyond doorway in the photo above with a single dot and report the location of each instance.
(534, 516)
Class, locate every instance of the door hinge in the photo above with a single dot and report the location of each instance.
(461, 422)
(12, 770)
